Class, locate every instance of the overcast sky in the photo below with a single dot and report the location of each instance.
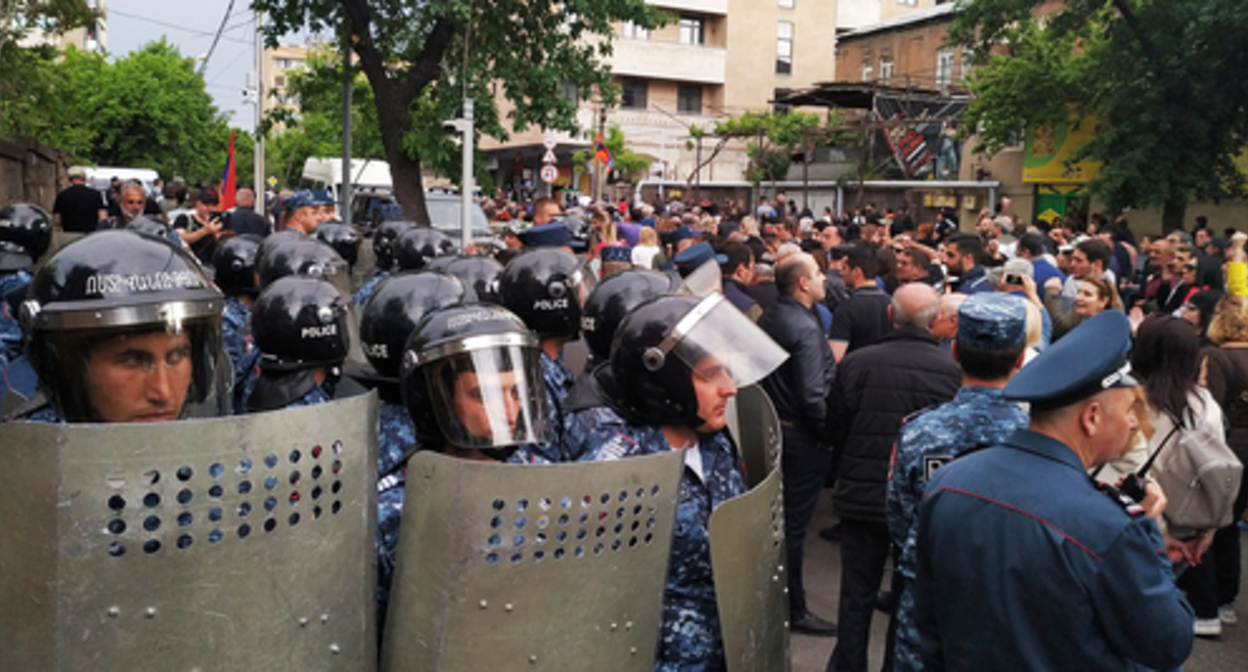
(191, 24)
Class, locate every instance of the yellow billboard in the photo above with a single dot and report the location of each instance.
(1047, 150)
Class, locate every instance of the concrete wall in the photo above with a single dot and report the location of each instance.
(752, 50)
(31, 172)
(891, 9)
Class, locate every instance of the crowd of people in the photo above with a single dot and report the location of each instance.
(954, 385)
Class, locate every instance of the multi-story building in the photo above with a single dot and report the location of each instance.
(714, 60)
(93, 37)
(279, 62)
(855, 14)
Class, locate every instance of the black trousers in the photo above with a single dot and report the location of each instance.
(1215, 581)
(804, 466)
(864, 549)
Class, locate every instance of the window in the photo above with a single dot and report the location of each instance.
(784, 48)
(286, 63)
(886, 68)
(944, 67)
(692, 30)
(780, 94)
(635, 32)
(868, 72)
(968, 64)
(568, 90)
(689, 99)
(786, 4)
(633, 94)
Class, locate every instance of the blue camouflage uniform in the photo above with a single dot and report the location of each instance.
(689, 636)
(249, 369)
(369, 288)
(975, 416)
(319, 394)
(236, 336)
(19, 377)
(1022, 562)
(12, 284)
(559, 380)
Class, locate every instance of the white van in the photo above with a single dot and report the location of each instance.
(366, 175)
(100, 177)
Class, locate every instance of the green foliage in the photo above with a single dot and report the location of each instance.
(1162, 79)
(25, 71)
(148, 109)
(626, 162)
(774, 138)
(423, 56)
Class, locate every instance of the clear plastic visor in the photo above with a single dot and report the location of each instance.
(704, 280)
(735, 345)
(490, 398)
(582, 282)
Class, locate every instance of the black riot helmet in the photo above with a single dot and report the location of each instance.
(546, 287)
(277, 238)
(472, 378)
(300, 323)
(666, 340)
(235, 263)
(383, 241)
(342, 237)
(307, 257)
(149, 225)
(612, 299)
(416, 246)
(25, 234)
(440, 264)
(113, 286)
(479, 273)
(394, 310)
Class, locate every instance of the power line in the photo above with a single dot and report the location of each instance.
(184, 29)
(217, 38)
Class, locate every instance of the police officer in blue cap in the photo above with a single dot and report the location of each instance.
(302, 211)
(992, 334)
(1021, 561)
(554, 234)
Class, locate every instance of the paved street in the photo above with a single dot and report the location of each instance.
(823, 576)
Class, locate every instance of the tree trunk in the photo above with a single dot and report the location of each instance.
(1172, 215)
(394, 121)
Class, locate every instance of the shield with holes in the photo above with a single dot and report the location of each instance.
(754, 425)
(552, 567)
(747, 547)
(241, 543)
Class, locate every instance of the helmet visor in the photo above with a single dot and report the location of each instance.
(704, 280)
(735, 344)
(581, 283)
(490, 397)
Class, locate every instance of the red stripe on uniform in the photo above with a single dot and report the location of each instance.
(1025, 513)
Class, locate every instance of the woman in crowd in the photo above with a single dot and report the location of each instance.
(1166, 357)
(1225, 367)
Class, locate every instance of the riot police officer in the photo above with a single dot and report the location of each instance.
(478, 273)
(383, 253)
(301, 328)
(418, 245)
(677, 360)
(591, 403)
(472, 383)
(388, 319)
(125, 327)
(25, 233)
(546, 288)
(342, 237)
(302, 256)
(235, 264)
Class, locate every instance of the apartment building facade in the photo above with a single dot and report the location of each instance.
(715, 59)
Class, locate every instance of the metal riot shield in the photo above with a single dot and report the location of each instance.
(553, 567)
(753, 423)
(242, 543)
(747, 547)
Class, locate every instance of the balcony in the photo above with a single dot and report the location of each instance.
(654, 59)
(715, 7)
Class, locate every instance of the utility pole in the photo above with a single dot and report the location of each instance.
(344, 193)
(258, 161)
(600, 169)
(466, 181)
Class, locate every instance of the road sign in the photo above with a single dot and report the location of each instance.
(549, 173)
(272, 181)
(550, 142)
(550, 157)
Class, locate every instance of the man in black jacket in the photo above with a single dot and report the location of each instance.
(799, 389)
(876, 388)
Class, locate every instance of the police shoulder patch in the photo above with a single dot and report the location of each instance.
(933, 462)
(616, 448)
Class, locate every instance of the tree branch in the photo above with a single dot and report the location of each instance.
(1133, 22)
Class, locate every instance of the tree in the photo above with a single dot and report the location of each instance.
(423, 57)
(24, 69)
(148, 109)
(1161, 80)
